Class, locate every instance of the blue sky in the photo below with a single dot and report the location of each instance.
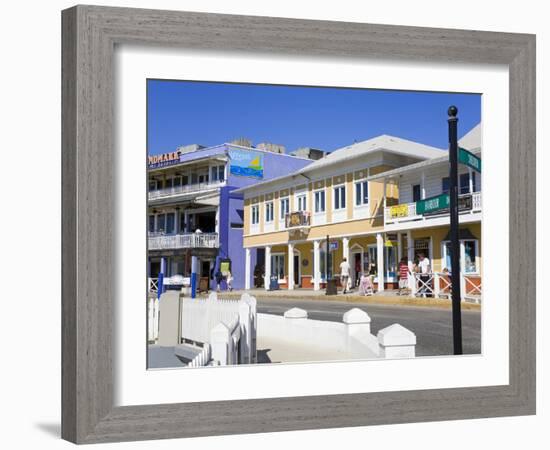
(182, 112)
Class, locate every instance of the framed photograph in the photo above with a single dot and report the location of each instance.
(277, 224)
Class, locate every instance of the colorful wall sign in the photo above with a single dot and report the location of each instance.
(246, 163)
(399, 211)
(163, 160)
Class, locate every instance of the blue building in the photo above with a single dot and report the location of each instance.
(195, 218)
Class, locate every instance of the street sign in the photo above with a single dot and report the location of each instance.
(333, 245)
(469, 159)
(432, 204)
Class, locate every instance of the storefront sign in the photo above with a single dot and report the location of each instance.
(440, 204)
(399, 211)
(433, 204)
(469, 159)
(246, 163)
(333, 246)
(163, 160)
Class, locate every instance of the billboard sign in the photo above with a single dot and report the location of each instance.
(246, 163)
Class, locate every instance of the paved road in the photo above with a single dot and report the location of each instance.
(432, 326)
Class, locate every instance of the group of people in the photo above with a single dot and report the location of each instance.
(421, 266)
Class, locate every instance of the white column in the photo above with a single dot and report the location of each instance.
(380, 260)
(267, 277)
(423, 185)
(345, 248)
(385, 203)
(470, 180)
(410, 257)
(316, 265)
(290, 283)
(247, 268)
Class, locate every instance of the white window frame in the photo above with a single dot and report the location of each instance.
(254, 213)
(282, 212)
(334, 196)
(361, 183)
(324, 196)
(300, 197)
(269, 210)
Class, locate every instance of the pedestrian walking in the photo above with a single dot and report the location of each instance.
(357, 271)
(219, 277)
(344, 274)
(229, 281)
(403, 275)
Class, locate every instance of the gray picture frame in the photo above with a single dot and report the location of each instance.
(90, 34)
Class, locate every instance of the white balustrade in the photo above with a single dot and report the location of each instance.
(184, 240)
(186, 189)
(412, 215)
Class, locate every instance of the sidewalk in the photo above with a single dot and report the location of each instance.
(385, 298)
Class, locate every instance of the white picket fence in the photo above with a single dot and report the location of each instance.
(153, 314)
(438, 284)
(203, 358)
(226, 329)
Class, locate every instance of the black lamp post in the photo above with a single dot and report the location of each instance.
(455, 243)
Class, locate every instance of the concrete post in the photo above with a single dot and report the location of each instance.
(357, 321)
(316, 265)
(247, 273)
(219, 341)
(380, 260)
(267, 277)
(291, 267)
(396, 341)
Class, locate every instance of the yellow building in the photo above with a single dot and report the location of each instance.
(362, 197)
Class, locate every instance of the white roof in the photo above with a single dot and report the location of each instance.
(384, 142)
(472, 139)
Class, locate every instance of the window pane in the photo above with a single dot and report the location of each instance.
(358, 196)
(464, 183)
(168, 183)
(214, 173)
(365, 198)
(221, 173)
(152, 185)
(416, 192)
(177, 181)
(170, 222)
(343, 197)
(336, 199)
(445, 185)
(322, 201)
(151, 223)
(161, 221)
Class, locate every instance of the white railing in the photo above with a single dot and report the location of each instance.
(186, 189)
(153, 285)
(184, 240)
(406, 212)
(203, 358)
(200, 317)
(438, 285)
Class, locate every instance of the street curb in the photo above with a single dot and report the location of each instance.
(374, 300)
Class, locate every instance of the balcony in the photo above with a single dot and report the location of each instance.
(185, 189)
(182, 241)
(406, 212)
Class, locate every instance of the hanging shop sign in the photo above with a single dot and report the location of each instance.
(333, 246)
(397, 211)
(469, 159)
(163, 160)
(246, 163)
